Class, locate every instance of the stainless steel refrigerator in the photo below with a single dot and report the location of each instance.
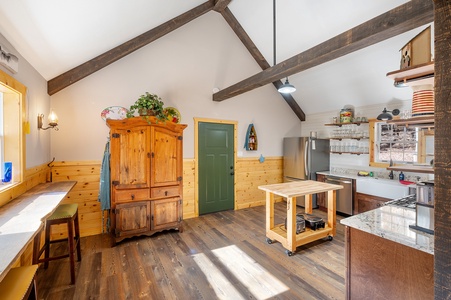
(302, 158)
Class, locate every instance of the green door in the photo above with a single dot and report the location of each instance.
(216, 167)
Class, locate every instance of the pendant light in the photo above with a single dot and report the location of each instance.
(285, 88)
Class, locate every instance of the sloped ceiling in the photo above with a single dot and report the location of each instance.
(56, 36)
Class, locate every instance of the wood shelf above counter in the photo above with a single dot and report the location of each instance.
(416, 75)
(350, 123)
(416, 121)
(415, 169)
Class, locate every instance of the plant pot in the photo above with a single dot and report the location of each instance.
(146, 112)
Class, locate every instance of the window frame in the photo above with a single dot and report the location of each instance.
(421, 146)
(14, 94)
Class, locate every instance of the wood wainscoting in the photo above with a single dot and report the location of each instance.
(250, 173)
(85, 193)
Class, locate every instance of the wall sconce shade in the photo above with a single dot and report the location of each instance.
(385, 115)
(53, 121)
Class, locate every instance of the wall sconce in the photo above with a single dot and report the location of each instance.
(53, 121)
(385, 115)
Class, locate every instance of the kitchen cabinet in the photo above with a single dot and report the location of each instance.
(364, 202)
(378, 268)
(146, 162)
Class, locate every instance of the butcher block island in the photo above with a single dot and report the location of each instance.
(290, 190)
(146, 162)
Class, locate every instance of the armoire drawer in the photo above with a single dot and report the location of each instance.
(131, 195)
(165, 191)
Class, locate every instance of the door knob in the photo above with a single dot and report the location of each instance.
(232, 173)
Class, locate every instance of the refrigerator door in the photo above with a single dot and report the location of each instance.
(295, 159)
(294, 155)
(318, 157)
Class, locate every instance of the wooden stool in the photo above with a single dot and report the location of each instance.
(64, 213)
(19, 283)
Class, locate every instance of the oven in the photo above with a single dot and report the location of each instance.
(344, 197)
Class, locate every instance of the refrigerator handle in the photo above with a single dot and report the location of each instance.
(306, 168)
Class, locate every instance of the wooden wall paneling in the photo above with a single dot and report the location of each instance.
(189, 210)
(442, 172)
(85, 193)
(250, 173)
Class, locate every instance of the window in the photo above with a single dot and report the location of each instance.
(12, 140)
(396, 143)
(400, 144)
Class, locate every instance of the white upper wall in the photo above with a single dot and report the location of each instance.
(37, 142)
(182, 68)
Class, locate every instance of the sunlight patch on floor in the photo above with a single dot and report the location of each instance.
(223, 288)
(258, 280)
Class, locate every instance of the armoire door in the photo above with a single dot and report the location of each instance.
(166, 169)
(130, 157)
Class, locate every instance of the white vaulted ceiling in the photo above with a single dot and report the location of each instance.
(56, 36)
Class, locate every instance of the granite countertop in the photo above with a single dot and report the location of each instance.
(344, 175)
(392, 223)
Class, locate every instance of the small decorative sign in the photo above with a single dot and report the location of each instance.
(9, 60)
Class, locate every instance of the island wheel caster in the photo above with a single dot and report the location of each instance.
(330, 238)
(289, 253)
(269, 241)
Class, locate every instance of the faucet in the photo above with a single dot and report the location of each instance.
(390, 175)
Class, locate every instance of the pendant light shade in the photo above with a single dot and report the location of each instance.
(385, 115)
(287, 88)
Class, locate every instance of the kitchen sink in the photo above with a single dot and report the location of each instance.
(391, 189)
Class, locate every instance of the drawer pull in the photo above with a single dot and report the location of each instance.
(133, 197)
(166, 193)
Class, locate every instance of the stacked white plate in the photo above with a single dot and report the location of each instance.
(423, 103)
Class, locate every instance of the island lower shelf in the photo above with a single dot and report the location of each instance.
(291, 190)
(279, 233)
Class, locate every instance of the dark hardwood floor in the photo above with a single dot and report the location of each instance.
(218, 256)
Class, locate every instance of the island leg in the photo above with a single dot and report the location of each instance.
(291, 223)
(331, 211)
(308, 204)
(269, 212)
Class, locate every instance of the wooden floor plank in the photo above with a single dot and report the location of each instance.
(222, 255)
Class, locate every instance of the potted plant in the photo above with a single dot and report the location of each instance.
(148, 105)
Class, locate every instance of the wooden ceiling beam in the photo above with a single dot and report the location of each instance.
(221, 5)
(394, 22)
(258, 56)
(70, 77)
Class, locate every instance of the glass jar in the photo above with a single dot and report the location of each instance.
(345, 115)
